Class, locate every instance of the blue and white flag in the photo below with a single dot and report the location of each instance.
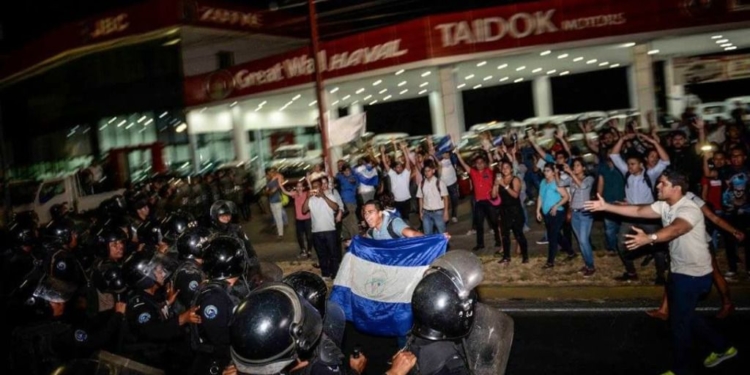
(498, 140)
(376, 280)
(445, 145)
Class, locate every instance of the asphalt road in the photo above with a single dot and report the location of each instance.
(584, 338)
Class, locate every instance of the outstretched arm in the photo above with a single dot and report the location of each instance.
(630, 210)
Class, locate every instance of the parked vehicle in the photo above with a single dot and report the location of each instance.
(713, 111)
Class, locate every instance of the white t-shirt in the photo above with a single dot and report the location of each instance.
(448, 172)
(400, 185)
(323, 218)
(689, 252)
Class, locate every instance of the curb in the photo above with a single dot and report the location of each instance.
(503, 292)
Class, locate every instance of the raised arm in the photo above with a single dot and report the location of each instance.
(539, 149)
(663, 155)
(560, 135)
(461, 161)
(384, 159)
(586, 129)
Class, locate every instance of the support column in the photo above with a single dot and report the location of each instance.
(336, 152)
(641, 80)
(675, 93)
(193, 140)
(239, 136)
(452, 102)
(356, 108)
(436, 113)
(542, 92)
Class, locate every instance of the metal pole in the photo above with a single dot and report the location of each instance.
(323, 121)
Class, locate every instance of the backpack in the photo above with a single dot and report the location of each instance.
(437, 184)
(647, 179)
(389, 228)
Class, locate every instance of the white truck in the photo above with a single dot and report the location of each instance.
(66, 189)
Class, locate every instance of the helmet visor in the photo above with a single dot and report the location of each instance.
(54, 290)
(464, 269)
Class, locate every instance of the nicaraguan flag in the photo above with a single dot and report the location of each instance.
(498, 140)
(445, 145)
(377, 278)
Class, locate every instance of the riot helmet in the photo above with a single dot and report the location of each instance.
(443, 301)
(310, 287)
(60, 232)
(270, 327)
(222, 208)
(149, 233)
(143, 270)
(175, 224)
(58, 211)
(192, 243)
(113, 207)
(223, 257)
(23, 233)
(108, 278)
(47, 290)
(110, 243)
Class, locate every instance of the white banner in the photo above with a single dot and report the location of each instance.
(345, 129)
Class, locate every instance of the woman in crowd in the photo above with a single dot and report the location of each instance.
(582, 220)
(302, 220)
(550, 207)
(508, 188)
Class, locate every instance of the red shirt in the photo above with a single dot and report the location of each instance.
(482, 181)
(714, 192)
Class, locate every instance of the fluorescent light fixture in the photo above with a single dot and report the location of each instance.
(333, 91)
(181, 128)
(367, 97)
(171, 42)
(424, 84)
(461, 86)
(148, 122)
(312, 103)
(725, 45)
(520, 68)
(518, 80)
(653, 52)
(346, 97)
(545, 53)
(730, 48)
(503, 66)
(377, 82)
(334, 103)
(263, 103)
(354, 102)
(399, 72)
(537, 70)
(477, 86)
(591, 61)
(717, 37)
(422, 92)
(121, 123)
(553, 71)
(404, 91)
(487, 78)
(425, 74)
(504, 79)
(233, 104)
(564, 55)
(720, 41)
(115, 118)
(565, 73)
(103, 127)
(130, 125)
(614, 66)
(373, 102)
(401, 83)
(360, 91)
(482, 63)
(577, 59)
(387, 97)
(626, 45)
(383, 91)
(604, 63)
(296, 97)
(470, 76)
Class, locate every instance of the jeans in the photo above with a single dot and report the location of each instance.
(554, 225)
(454, 194)
(304, 234)
(433, 219)
(329, 255)
(512, 219)
(581, 223)
(277, 210)
(684, 292)
(611, 229)
(484, 210)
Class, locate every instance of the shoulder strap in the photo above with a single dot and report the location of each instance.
(391, 232)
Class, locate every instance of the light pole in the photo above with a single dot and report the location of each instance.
(319, 88)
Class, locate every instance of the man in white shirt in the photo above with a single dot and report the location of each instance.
(690, 268)
(400, 176)
(323, 208)
(433, 201)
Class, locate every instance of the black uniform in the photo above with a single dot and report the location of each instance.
(187, 278)
(152, 327)
(438, 357)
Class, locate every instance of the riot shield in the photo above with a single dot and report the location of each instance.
(334, 323)
(464, 269)
(126, 366)
(488, 345)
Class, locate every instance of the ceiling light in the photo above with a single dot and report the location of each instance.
(145, 123)
(121, 123)
(140, 120)
(262, 103)
(103, 127)
(399, 72)
(591, 61)
(296, 97)
(334, 90)
(577, 59)
(503, 66)
(614, 66)
(181, 128)
(552, 71)
(346, 97)
(717, 37)
(518, 80)
(334, 103)
(171, 42)
(401, 83)
(312, 103)
(387, 97)
(520, 68)
(373, 102)
(367, 97)
(537, 70)
(359, 91)
(383, 91)
(130, 125)
(425, 74)
(477, 86)
(354, 102)
(726, 45)
(545, 53)
(233, 104)
(503, 79)
(564, 55)
(204, 109)
(470, 76)
(404, 91)
(626, 45)
(487, 78)
(461, 86)
(115, 118)
(604, 63)
(730, 48)
(422, 92)
(482, 63)
(720, 41)
(377, 82)
(565, 73)
(424, 84)
(653, 52)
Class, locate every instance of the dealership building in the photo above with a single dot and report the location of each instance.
(207, 83)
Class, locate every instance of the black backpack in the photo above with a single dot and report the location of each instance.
(389, 228)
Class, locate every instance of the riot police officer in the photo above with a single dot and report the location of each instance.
(61, 238)
(23, 256)
(222, 214)
(189, 276)
(224, 265)
(175, 224)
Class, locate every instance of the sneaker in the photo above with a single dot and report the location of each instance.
(583, 269)
(542, 242)
(526, 228)
(730, 274)
(504, 261)
(714, 359)
(547, 266)
(525, 260)
(471, 232)
(477, 248)
(627, 277)
(530, 203)
(571, 257)
(302, 254)
(589, 272)
(454, 220)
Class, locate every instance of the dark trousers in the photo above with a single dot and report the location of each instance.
(741, 222)
(454, 194)
(512, 219)
(659, 251)
(554, 225)
(329, 255)
(404, 208)
(483, 210)
(304, 234)
(684, 292)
